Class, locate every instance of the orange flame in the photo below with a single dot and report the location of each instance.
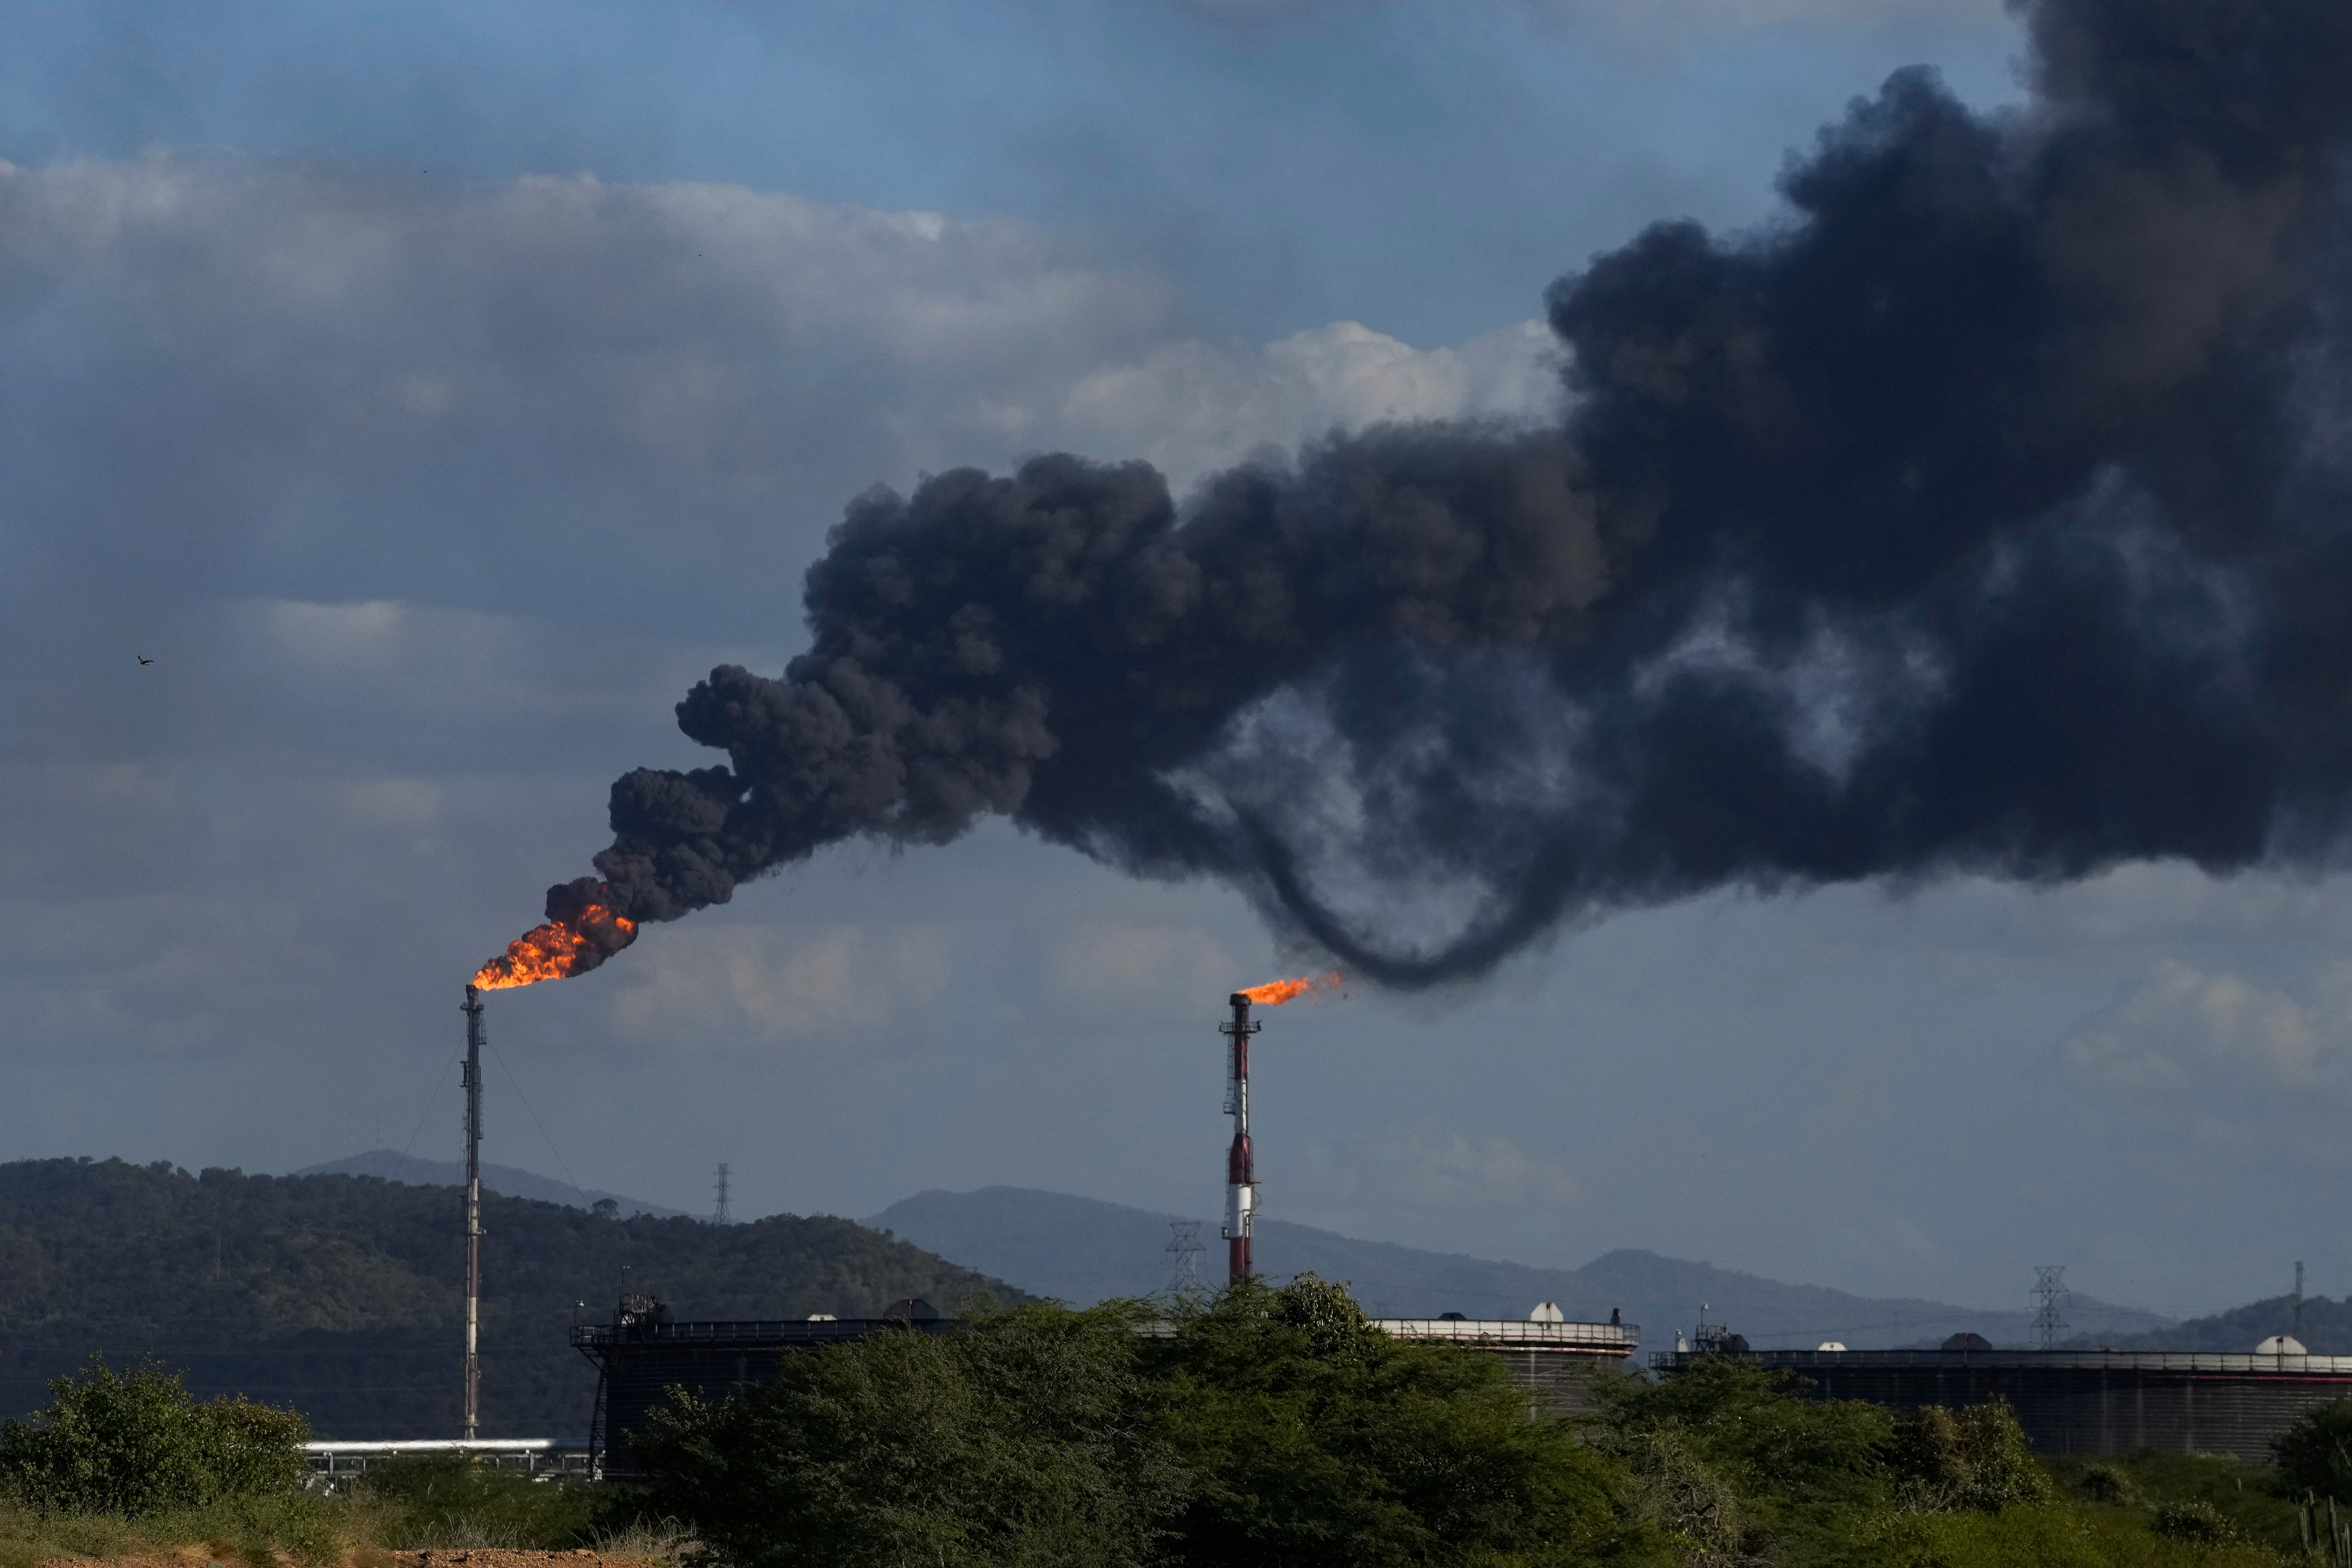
(1274, 992)
(558, 950)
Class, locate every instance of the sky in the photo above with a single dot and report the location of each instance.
(435, 392)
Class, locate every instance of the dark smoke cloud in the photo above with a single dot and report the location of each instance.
(1987, 514)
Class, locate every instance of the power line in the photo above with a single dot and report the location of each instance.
(516, 1084)
(440, 1083)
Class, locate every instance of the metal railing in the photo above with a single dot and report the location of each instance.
(755, 1331)
(1617, 1339)
(332, 1464)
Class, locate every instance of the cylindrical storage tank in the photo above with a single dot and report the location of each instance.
(2087, 1402)
(638, 1363)
(1553, 1360)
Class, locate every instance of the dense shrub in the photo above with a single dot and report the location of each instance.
(1737, 1464)
(2109, 1484)
(133, 1442)
(1022, 1439)
(2192, 1520)
(2315, 1453)
(1975, 1458)
(1267, 1425)
(1274, 1425)
(447, 1500)
(1311, 1437)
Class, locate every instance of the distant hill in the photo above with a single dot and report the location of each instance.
(1081, 1250)
(395, 1166)
(2326, 1329)
(342, 1295)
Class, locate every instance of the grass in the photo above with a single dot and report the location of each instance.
(663, 1541)
(2059, 1535)
(2241, 1494)
(257, 1531)
(442, 1503)
(444, 1500)
(2104, 1520)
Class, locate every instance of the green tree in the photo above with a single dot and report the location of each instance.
(2315, 1453)
(133, 1442)
(1024, 1438)
(1313, 1438)
(1737, 1464)
(1975, 1458)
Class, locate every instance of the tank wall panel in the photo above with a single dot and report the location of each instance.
(2096, 1410)
(1562, 1384)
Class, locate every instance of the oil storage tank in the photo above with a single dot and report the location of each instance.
(2086, 1402)
(1551, 1358)
(642, 1354)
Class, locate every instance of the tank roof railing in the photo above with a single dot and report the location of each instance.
(2140, 1360)
(1618, 1338)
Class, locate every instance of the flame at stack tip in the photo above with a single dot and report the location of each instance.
(578, 942)
(1274, 992)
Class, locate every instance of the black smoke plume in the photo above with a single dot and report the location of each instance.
(1986, 513)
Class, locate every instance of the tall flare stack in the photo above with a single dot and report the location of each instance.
(1241, 1179)
(473, 1010)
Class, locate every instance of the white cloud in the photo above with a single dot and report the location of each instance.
(730, 985)
(2218, 1039)
(1656, 19)
(609, 400)
(336, 629)
(1192, 407)
(1130, 965)
(1403, 1167)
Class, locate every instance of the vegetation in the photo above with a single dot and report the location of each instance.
(2314, 1453)
(1309, 1437)
(339, 1297)
(118, 1453)
(2326, 1329)
(127, 1461)
(1021, 1440)
(1265, 1425)
(1274, 1425)
(445, 1500)
(134, 1442)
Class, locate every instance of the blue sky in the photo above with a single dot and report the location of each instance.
(1425, 167)
(437, 391)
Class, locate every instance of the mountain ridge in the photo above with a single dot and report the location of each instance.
(392, 1166)
(1083, 1249)
(342, 1295)
(2326, 1329)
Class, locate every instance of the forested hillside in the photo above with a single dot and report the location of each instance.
(342, 1296)
(2326, 1329)
(396, 1166)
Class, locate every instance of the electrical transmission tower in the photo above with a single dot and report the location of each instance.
(1184, 1250)
(2297, 1329)
(720, 1215)
(2049, 1295)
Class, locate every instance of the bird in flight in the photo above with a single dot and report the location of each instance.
(143, 658)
